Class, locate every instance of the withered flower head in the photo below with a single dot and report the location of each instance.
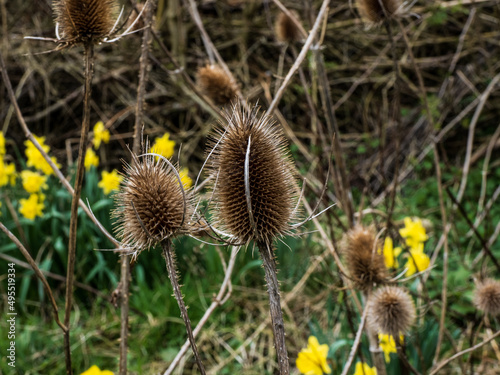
(216, 84)
(255, 188)
(487, 296)
(364, 259)
(84, 21)
(372, 11)
(392, 311)
(286, 29)
(150, 205)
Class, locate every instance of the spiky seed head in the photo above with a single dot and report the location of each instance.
(391, 311)
(487, 296)
(247, 136)
(372, 11)
(216, 84)
(364, 260)
(150, 205)
(286, 29)
(84, 21)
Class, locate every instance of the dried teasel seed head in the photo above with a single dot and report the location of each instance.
(255, 188)
(216, 84)
(487, 296)
(391, 311)
(84, 21)
(372, 11)
(364, 260)
(286, 29)
(150, 205)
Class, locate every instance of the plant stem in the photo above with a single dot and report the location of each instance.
(172, 274)
(89, 67)
(275, 306)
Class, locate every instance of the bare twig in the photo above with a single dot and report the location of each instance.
(461, 353)
(38, 274)
(356, 342)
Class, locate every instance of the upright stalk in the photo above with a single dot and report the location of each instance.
(88, 56)
(172, 274)
(275, 306)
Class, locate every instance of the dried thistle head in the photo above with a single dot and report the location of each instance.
(150, 205)
(391, 311)
(216, 84)
(376, 11)
(286, 29)
(487, 296)
(84, 21)
(255, 189)
(364, 259)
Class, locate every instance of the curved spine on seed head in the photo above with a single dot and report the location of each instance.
(257, 191)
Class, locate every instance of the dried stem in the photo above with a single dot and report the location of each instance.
(278, 325)
(89, 67)
(355, 345)
(221, 297)
(459, 354)
(38, 273)
(172, 274)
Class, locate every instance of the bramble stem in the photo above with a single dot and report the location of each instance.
(275, 306)
(172, 274)
(89, 70)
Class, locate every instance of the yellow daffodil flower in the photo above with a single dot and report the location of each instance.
(94, 370)
(413, 232)
(35, 158)
(187, 182)
(7, 173)
(417, 262)
(110, 181)
(101, 134)
(2, 144)
(163, 146)
(91, 159)
(312, 360)
(363, 369)
(390, 253)
(388, 345)
(31, 207)
(33, 182)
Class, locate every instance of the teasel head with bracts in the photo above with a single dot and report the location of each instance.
(487, 296)
(364, 259)
(215, 83)
(151, 205)
(286, 30)
(84, 21)
(376, 11)
(255, 189)
(391, 311)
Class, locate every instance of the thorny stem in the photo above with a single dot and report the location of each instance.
(172, 274)
(89, 68)
(275, 306)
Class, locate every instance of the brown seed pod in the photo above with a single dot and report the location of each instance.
(216, 84)
(256, 191)
(84, 21)
(372, 11)
(391, 311)
(364, 261)
(487, 296)
(286, 29)
(150, 205)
